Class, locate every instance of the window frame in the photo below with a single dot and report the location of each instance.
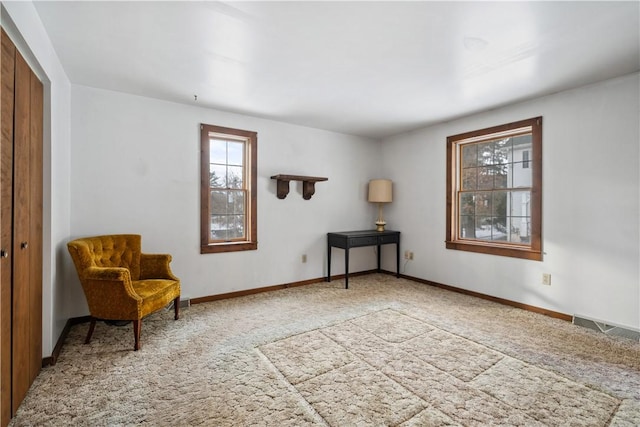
(250, 139)
(533, 251)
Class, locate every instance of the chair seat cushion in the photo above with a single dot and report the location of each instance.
(155, 293)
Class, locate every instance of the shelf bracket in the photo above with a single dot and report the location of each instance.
(308, 184)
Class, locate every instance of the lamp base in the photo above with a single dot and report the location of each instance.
(380, 225)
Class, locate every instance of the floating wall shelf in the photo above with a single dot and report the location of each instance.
(308, 184)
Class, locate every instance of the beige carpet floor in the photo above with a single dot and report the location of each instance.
(386, 352)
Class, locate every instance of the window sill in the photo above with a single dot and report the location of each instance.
(493, 249)
(228, 247)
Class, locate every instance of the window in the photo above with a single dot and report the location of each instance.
(228, 202)
(494, 190)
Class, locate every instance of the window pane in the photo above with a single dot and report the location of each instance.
(467, 206)
(501, 176)
(227, 214)
(483, 227)
(237, 201)
(521, 229)
(235, 153)
(502, 151)
(227, 227)
(500, 208)
(470, 179)
(494, 215)
(234, 177)
(485, 178)
(521, 156)
(469, 155)
(521, 143)
(521, 203)
(499, 229)
(522, 174)
(217, 151)
(236, 226)
(483, 203)
(485, 153)
(217, 176)
(219, 202)
(487, 215)
(467, 227)
(219, 227)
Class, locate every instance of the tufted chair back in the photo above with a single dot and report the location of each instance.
(116, 250)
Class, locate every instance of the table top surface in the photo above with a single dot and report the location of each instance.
(363, 233)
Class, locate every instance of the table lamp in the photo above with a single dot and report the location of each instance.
(380, 192)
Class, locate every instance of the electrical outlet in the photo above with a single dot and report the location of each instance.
(411, 255)
(546, 279)
(406, 254)
(304, 258)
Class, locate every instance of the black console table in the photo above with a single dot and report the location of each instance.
(354, 239)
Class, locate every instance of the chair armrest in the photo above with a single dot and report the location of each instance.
(107, 273)
(106, 277)
(156, 266)
(110, 293)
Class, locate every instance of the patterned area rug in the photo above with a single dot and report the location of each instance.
(386, 351)
(387, 368)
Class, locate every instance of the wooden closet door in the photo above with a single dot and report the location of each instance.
(21, 229)
(6, 225)
(35, 226)
(21, 186)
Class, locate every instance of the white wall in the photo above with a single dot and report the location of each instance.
(135, 169)
(591, 190)
(23, 25)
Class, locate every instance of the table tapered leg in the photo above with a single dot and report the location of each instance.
(346, 268)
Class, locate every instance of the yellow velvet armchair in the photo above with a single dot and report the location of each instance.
(122, 283)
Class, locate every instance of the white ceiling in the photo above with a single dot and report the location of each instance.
(364, 68)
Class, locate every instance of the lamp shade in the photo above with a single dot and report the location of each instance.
(380, 191)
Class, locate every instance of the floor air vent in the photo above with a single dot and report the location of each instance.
(184, 303)
(606, 328)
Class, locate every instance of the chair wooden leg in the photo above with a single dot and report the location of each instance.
(176, 308)
(92, 326)
(137, 326)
